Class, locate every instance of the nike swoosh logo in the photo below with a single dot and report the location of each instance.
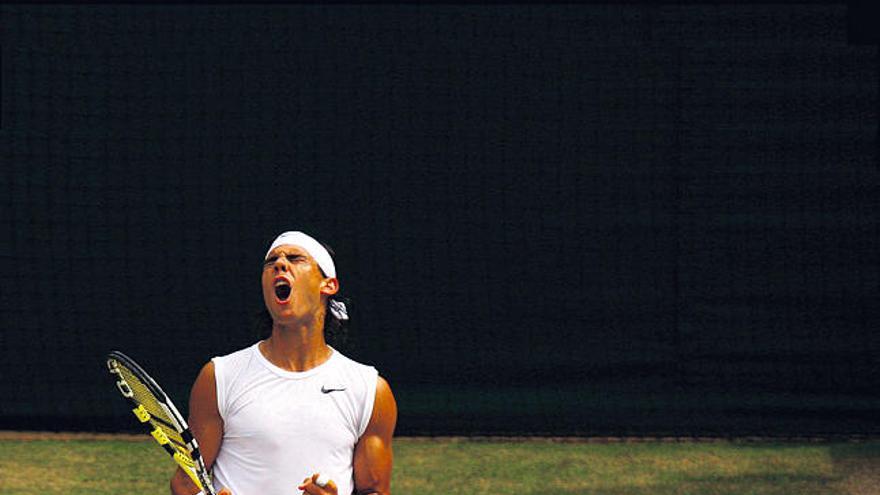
(326, 390)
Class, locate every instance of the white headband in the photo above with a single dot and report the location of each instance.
(321, 256)
(313, 247)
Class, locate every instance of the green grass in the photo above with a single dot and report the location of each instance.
(432, 466)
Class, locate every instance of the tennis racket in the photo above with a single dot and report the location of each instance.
(159, 416)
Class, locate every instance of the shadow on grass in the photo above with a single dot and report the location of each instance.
(858, 466)
(856, 471)
(771, 484)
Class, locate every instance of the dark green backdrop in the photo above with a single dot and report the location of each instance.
(551, 219)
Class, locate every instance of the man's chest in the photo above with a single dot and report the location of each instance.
(317, 413)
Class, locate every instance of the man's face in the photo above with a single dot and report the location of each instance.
(292, 284)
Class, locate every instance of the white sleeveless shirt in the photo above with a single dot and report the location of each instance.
(280, 427)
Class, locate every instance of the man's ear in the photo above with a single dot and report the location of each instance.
(330, 286)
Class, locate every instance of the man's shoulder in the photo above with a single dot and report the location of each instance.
(234, 357)
(347, 362)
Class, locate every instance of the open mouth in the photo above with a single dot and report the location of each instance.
(282, 290)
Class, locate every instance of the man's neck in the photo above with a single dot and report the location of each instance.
(296, 347)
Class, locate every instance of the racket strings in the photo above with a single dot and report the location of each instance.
(158, 417)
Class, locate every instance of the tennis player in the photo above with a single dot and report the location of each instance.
(290, 414)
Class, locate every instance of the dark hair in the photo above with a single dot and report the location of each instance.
(335, 330)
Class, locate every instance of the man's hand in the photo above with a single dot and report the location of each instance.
(310, 485)
(225, 491)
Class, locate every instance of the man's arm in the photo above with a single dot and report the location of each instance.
(372, 455)
(206, 425)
